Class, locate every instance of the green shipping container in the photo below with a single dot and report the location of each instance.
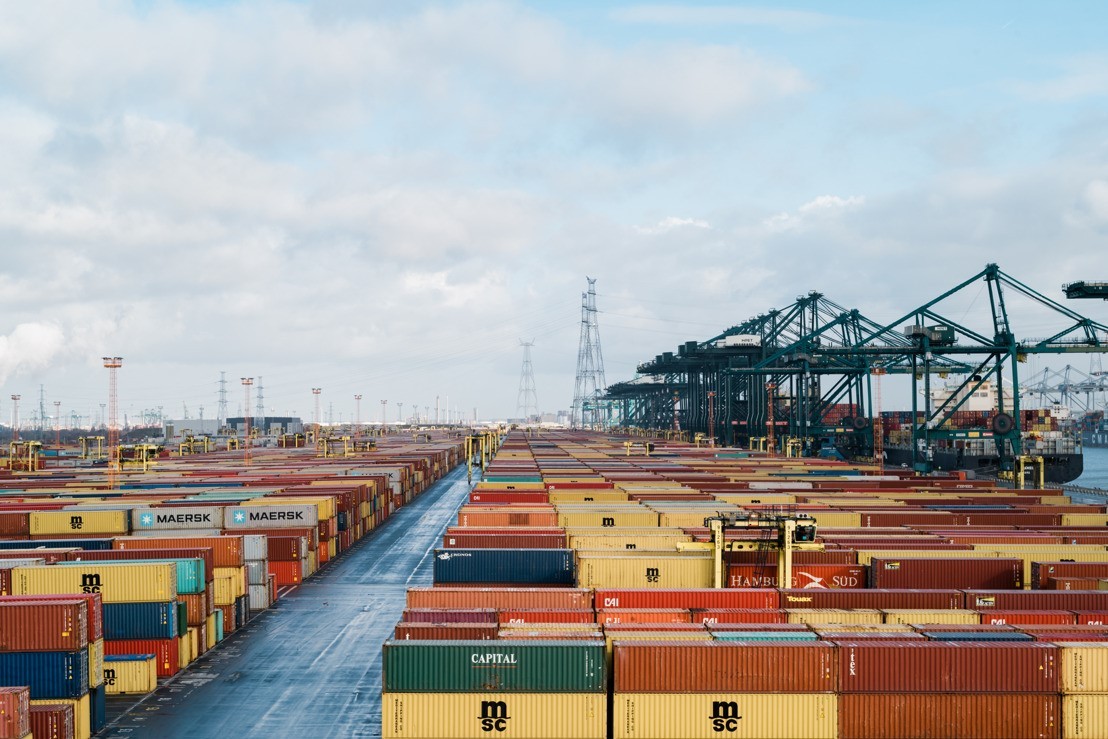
(494, 667)
(190, 572)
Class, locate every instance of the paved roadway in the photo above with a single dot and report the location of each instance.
(311, 665)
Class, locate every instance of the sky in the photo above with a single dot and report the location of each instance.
(383, 198)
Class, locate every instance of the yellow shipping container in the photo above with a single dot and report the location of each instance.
(485, 487)
(614, 635)
(742, 715)
(863, 628)
(627, 542)
(1084, 716)
(1085, 667)
(75, 521)
(210, 631)
(836, 519)
(132, 676)
(644, 572)
(184, 652)
(522, 715)
(117, 582)
(605, 519)
(82, 717)
(223, 590)
(237, 576)
(952, 616)
(1084, 519)
(867, 555)
(753, 498)
(687, 519)
(194, 642)
(96, 663)
(834, 616)
(588, 496)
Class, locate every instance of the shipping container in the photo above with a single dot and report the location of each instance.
(965, 573)
(115, 582)
(502, 566)
(44, 626)
(47, 674)
(52, 721)
(130, 674)
(140, 620)
(1085, 716)
(930, 715)
(464, 715)
(709, 715)
(14, 712)
(496, 667)
(82, 713)
(446, 597)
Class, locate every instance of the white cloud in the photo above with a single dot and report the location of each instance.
(1081, 76)
(819, 208)
(672, 222)
(716, 15)
(1095, 198)
(30, 346)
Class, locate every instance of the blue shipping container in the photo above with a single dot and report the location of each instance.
(98, 707)
(49, 674)
(510, 566)
(58, 544)
(140, 620)
(978, 636)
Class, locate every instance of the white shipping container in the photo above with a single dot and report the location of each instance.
(255, 547)
(257, 572)
(259, 597)
(176, 518)
(271, 517)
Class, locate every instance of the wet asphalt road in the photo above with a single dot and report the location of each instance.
(311, 665)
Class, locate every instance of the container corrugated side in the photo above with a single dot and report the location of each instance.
(52, 721)
(76, 521)
(469, 598)
(130, 674)
(704, 715)
(1085, 716)
(48, 674)
(1084, 667)
(82, 713)
(463, 715)
(493, 666)
(140, 620)
(928, 715)
(14, 709)
(116, 583)
(47, 626)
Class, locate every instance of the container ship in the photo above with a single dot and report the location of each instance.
(1044, 433)
(1093, 428)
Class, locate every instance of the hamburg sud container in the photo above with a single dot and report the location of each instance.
(522, 566)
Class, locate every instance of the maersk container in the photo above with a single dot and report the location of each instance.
(171, 518)
(494, 667)
(48, 674)
(140, 620)
(518, 566)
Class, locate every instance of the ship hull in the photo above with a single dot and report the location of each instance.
(1060, 468)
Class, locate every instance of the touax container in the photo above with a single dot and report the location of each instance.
(494, 667)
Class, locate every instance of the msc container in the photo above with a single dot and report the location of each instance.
(659, 571)
(928, 715)
(709, 715)
(445, 597)
(76, 521)
(116, 582)
(130, 674)
(493, 667)
(494, 566)
(140, 620)
(948, 667)
(1084, 667)
(190, 572)
(45, 626)
(47, 674)
(963, 573)
(52, 721)
(14, 712)
(463, 715)
(715, 667)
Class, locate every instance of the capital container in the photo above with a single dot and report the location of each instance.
(928, 715)
(493, 667)
(948, 667)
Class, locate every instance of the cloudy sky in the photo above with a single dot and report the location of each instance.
(383, 197)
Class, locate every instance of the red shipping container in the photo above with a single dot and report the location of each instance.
(1028, 617)
(505, 497)
(44, 626)
(197, 606)
(450, 632)
(924, 716)
(286, 548)
(724, 626)
(14, 524)
(451, 615)
(947, 667)
(642, 616)
(799, 558)
(1037, 600)
(226, 550)
(1041, 571)
(94, 614)
(50, 556)
(1072, 583)
(909, 572)
(484, 597)
(547, 616)
(691, 598)
(164, 651)
(1097, 618)
(804, 576)
(53, 721)
(287, 573)
(873, 598)
(738, 616)
(723, 667)
(15, 709)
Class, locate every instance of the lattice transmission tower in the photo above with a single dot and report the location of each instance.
(527, 401)
(588, 409)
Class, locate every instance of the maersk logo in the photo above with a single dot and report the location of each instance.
(146, 519)
(239, 516)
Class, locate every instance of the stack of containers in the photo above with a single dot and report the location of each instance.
(1084, 688)
(45, 645)
(537, 689)
(687, 690)
(255, 548)
(53, 720)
